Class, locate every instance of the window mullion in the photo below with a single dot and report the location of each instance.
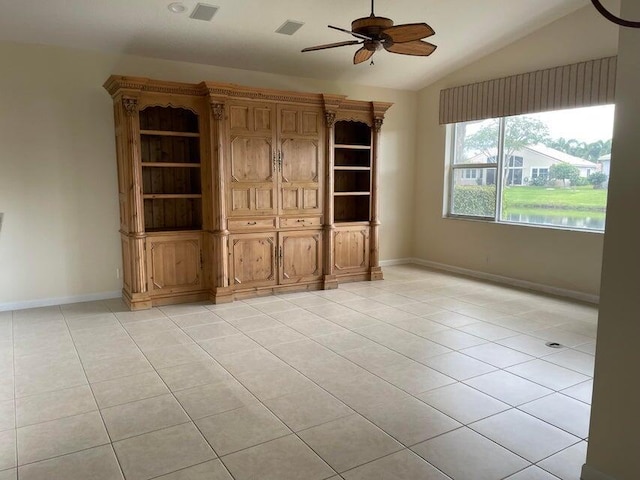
(500, 172)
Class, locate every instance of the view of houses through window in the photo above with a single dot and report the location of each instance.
(548, 168)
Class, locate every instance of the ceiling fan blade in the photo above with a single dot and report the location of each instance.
(331, 45)
(417, 47)
(362, 55)
(409, 32)
(357, 35)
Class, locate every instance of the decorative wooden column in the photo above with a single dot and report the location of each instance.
(221, 292)
(131, 216)
(331, 105)
(378, 111)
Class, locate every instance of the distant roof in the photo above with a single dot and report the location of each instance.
(542, 150)
(562, 156)
(604, 158)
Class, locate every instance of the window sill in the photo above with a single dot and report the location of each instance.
(524, 225)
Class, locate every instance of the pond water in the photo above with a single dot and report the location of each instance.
(570, 221)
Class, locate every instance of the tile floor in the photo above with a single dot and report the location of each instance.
(424, 375)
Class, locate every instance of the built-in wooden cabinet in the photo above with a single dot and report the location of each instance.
(228, 192)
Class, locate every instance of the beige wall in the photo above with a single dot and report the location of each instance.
(58, 172)
(613, 437)
(560, 259)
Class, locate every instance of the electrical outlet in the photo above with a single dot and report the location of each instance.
(118, 273)
(1, 216)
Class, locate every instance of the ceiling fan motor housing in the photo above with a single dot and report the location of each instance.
(371, 26)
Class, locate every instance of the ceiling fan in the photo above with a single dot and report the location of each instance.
(375, 33)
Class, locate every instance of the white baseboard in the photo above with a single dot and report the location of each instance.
(590, 473)
(396, 261)
(514, 282)
(47, 302)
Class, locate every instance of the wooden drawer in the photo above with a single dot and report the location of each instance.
(251, 224)
(298, 222)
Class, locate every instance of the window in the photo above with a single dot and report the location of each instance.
(534, 169)
(541, 173)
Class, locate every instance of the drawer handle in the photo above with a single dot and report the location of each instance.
(300, 221)
(252, 223)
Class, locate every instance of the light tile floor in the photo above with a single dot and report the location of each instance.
(424, 375)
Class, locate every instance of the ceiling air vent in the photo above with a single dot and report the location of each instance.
(289, 27)
(203, 12)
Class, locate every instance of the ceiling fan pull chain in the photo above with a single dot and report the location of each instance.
(372, 63)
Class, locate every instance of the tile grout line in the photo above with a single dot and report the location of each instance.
(191, 420)
(104, 425)
(329, 349)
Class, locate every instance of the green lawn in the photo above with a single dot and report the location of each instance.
(577, 199)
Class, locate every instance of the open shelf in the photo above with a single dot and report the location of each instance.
(352, 181)
(175, 180)
(161, 214)
(352, 208)
(169, 120)
(352, 172)
(171, 178)
(167, 133)
(161, 149)
(352, 158)
(351, 134)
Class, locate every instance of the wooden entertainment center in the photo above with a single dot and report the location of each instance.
(228, 192)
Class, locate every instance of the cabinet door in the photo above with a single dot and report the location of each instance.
(351, 249)
(174, 263)
(300, 137)
(300, 256)
(252, 165)
(252, 259)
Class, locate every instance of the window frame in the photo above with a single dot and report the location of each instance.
(451, 167)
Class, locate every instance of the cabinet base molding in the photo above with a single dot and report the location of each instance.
(136, 301)
(376, 273)
(265, 291)
(222, 295)
(330, 282)
(158, 301)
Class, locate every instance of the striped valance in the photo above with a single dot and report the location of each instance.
(579, 85)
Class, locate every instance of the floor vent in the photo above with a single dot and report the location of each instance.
(553, 345)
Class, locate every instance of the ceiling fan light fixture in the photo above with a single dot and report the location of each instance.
(377, 33)
(176, 7)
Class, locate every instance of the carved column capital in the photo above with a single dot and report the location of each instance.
(217, 109)
(130, 105)
(330, 118)
(377, 124)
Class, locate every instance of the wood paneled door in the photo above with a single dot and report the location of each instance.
(253, 162)
(300, 256)
(253, 260)
(175, 263)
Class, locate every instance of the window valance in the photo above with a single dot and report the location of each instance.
(581, 84)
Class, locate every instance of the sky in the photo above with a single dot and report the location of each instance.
(583, 124)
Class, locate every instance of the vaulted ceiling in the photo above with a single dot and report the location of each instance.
(242, 33)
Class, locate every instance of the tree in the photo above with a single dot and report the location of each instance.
(564, 172)
(597, 179)
(589, 151)
(519, 132)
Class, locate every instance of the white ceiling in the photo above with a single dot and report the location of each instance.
(241, 34)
